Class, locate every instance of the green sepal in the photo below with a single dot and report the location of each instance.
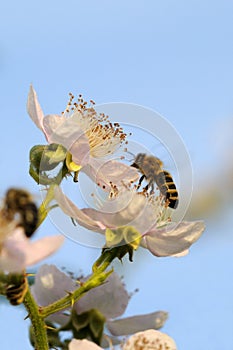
(44, 159)
(132, 236)
(126, 234)
(88, 325)
(117, 252)
(47, 157)
(113, 237)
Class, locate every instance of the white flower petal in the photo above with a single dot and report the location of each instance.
(51, 123)
(70, 209)
(66, 132)
(127, 209)
(110, 171)
(42, 248)
(150, 340)
(131, 325)
(173, 239)
(34, 108)
(77, 344)
(12, 258)
(18, 252)
(111, 298)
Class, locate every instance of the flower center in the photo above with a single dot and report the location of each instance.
(72, 166)
(104, 137)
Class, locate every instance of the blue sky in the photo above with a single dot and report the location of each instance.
(174, 57)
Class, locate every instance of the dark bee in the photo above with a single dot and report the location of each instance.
(19, 205)
(16, 291)
(151, 169)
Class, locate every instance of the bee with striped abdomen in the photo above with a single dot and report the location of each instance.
(17, 289)
(152, 170)
(18, 206)
(20, 203)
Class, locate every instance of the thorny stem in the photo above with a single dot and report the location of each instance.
(38, 324)
(104, 260)
(94, 281)
(37, 314)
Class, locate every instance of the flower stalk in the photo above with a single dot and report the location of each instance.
(38, 324)
(44, 207)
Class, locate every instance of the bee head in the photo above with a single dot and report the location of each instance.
(138, 160)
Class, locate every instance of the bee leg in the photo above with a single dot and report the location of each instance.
(151, 184)
(140, 181)
(75, 179)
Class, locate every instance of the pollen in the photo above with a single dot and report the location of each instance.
(104, 136)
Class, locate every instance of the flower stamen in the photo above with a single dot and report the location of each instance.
(104, 137)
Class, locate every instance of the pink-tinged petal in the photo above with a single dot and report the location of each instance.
(148, 340)
(51, 123)
(18, 251)
(80, 150)
(131, 325)
(127, 209)
(12, 261)
(173, 239)
(66, 132)
(179, 255)
(70, 209)
(77, 344)
(42, 248)
(50, 285)
(34, 108)
(12, 258)
(110, 171)
(111, 298)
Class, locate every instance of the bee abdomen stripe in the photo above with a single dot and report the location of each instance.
(173, 203)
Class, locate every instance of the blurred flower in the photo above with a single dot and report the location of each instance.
(18, 252)
(6, 227)
(133, 324)
(77, 344)
(110, 299)
(132, 216)
(150, 340)
(18, 219)
(147, 340)
(87, 136)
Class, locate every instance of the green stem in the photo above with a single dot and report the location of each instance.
(38, 324)
(44, 207)
(104, 260)
(94, 281)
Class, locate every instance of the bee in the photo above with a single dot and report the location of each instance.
(18, 204)
(17, 289)
(152, 170)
